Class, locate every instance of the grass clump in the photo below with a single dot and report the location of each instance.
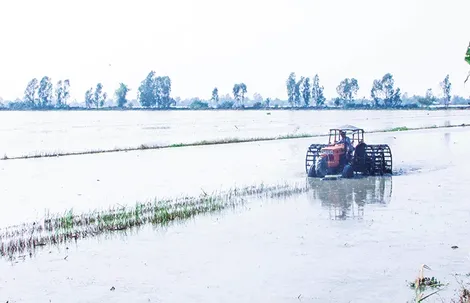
(422, 283)
(61, 228)
(399, 129)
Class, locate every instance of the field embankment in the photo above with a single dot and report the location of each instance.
(208, 142)
(49, 133)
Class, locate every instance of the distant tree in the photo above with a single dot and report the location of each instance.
(62, 92)
(45, 91)
(243, 91)
(226, 104)
(290, 84)
(297, 91)
(267, 102)
(99, 96)
(30, 93)
(239, 91)
(65, 91)
(428, 99)
(383, 92)
(347, 89)
(89, 98)
(446, 88)
(337, 101)
(405, 97)
(121, 93)
(162, 86)
(198, 104)
(226, 97)
(236, 92)
(460, 100)
(59, 93)
(155, 91)
(306, 91)
(215, 95)
(146, 91)
(257, 97)
(317, 92)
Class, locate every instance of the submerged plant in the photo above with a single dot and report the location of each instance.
(60, 228)
(421, 283)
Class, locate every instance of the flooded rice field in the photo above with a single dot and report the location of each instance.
(98, 181)
(356, 240)
(48, 132)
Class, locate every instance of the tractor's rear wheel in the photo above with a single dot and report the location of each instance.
(380, 157)
(313, 153)
(361, 161)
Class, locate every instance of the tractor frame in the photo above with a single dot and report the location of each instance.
(331, 159)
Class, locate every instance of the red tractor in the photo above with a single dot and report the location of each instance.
(333, 159)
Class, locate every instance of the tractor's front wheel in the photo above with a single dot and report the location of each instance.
(321, 167)
(312, 173)
(348, 171)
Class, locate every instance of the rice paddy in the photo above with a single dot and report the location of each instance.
(61, 228)
(300, 240)
(208, 142)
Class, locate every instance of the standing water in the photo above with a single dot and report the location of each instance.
(342, 241)
(50, 132)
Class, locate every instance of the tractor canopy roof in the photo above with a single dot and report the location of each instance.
(347, 128)
(357, 134)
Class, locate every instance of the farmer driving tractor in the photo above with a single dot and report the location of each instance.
(347, 145)
(346, 140)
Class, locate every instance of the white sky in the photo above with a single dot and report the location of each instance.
(206, 43)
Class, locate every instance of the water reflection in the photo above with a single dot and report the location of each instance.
(447, 139)
(346, 198)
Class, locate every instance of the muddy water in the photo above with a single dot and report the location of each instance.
(33, 132)
(96, 181)
(346, 241)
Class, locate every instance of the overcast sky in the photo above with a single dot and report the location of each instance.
(206, 43)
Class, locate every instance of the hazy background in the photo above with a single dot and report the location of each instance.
(206, 43)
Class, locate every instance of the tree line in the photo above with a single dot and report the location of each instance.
(155, 92)
(383, 92)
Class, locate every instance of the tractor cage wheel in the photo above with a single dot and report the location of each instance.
(313, 152)
(381, 159)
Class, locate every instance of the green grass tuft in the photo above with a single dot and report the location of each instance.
(60, 228)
